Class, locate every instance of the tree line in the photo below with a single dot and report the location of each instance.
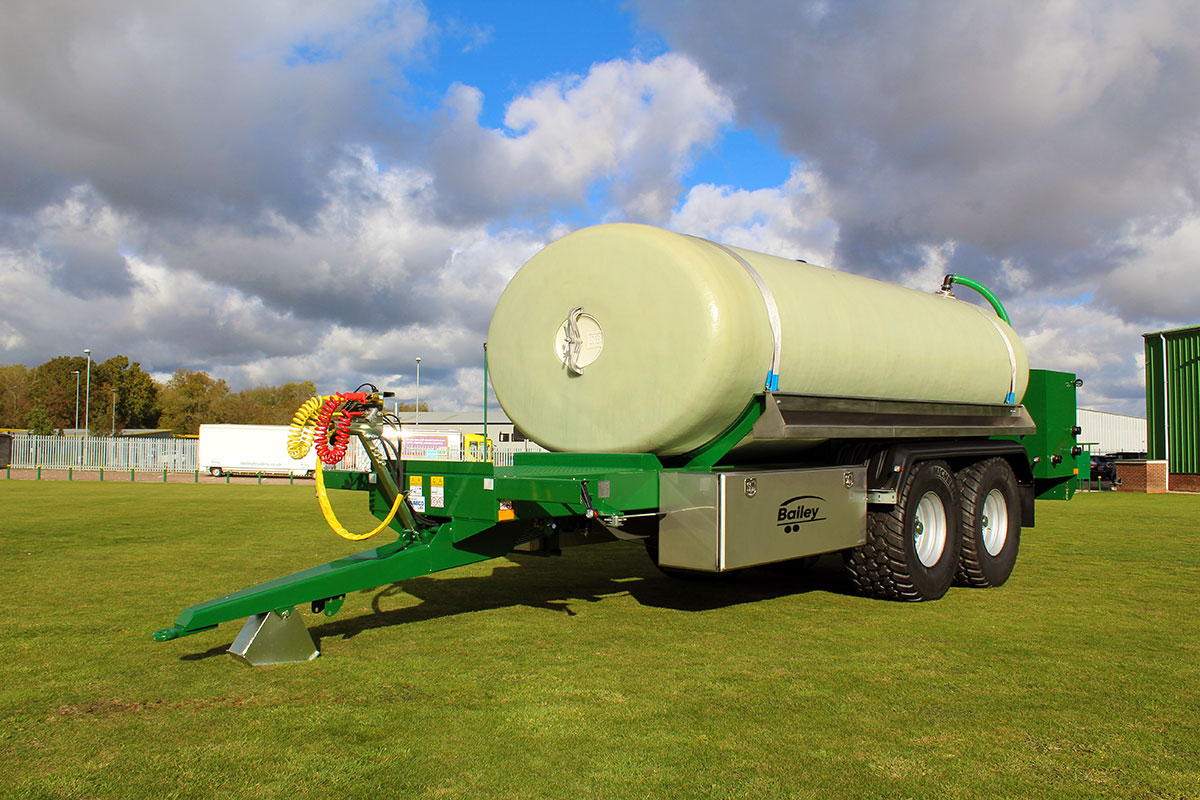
(42, 399)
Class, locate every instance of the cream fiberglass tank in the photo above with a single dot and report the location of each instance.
(631, 339)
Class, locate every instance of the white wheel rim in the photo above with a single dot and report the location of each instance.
(929, 529)
(994, 525)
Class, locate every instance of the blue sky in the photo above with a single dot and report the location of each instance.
(327, 193)
(503, 49)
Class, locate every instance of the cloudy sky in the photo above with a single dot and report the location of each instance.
(279, 191)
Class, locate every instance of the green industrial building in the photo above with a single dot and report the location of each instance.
(1173, 403)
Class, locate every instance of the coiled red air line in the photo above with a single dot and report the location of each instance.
(332, 453)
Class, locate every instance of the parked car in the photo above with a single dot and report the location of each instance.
(1104, 468)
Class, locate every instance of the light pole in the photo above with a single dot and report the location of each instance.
(114, 414)
(76, 398)
(418, 390)
(87, 395)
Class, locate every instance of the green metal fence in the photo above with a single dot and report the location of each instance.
(1173, 398)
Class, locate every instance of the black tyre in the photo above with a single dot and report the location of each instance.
(912, 551)
(214, 471)
(991, 523)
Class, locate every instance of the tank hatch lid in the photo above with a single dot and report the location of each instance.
(803, 416)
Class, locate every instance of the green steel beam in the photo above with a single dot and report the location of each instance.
(710, 454)
(383, 475)
(1181, 399)
(454, 544)
(1156, 431)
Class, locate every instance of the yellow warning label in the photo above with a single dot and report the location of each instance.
(437, 480)
(415, 480)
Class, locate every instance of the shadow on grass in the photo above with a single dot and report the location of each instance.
(558, 584)
(585, 575)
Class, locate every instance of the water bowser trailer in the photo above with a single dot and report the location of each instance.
(723, 407)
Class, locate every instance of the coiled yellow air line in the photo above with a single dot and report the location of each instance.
(304, 427)
(300, 440)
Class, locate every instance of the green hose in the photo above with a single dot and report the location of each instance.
(983, 290)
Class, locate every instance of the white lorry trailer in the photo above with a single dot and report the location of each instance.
(250, 450)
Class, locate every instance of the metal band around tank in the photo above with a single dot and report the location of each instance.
(772, 382)
(1011, 397)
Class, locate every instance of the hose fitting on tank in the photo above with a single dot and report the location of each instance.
(574, 341)
(952, 279)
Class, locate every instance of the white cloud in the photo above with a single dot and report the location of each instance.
(635, 123)
(10, 337)
(216, 109)
(1095, 344)
(1160, 282)
(1034, 136)
(355, 299)
(790, 220)
(240, 188)
(1052, 152)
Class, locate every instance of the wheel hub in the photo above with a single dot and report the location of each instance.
(930, 529)
(993, 524)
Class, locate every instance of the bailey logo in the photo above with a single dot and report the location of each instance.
(798, 510)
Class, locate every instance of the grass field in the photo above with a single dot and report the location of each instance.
(589, 676)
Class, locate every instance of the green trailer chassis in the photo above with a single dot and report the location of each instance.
(459, 513)
(472, 534)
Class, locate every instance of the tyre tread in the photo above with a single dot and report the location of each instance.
(969, 482)
(878, 568)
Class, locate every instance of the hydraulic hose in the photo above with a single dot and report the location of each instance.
(331, 518)
(971, 283)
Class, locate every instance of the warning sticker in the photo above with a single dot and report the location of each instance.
(416, 497)
(437, 491)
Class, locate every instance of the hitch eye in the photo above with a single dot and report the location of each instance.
(506, 511)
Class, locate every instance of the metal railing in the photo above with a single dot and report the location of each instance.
(173, 455)
(103, 452)
(502, 454)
